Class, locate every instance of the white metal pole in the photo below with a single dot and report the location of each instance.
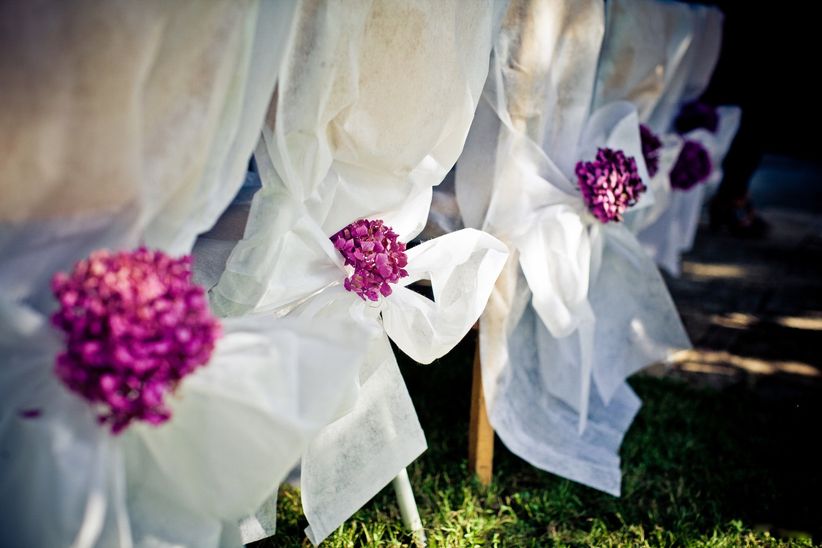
(408, 507)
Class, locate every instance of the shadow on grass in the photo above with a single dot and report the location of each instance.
(701, 468)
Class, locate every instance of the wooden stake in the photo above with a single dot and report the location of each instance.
(480, 431)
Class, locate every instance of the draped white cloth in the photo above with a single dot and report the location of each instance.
(659, 56)
(579, 306)
(673, 231)
(645, 60)
(128, 123)
(374, 103)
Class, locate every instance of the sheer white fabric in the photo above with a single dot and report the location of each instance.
(671, 232)
(128, 123)
(579, 306)
(644, 48)
(374, 103)
(352, 459)
(659, 56)
(100, 114)
(645, 60)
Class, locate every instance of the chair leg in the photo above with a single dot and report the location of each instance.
(408, 507)
(480, 431)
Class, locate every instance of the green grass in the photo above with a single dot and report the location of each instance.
(700, 469)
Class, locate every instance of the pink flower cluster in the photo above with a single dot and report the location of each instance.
(610, 184)
(376, 255)
(692, 166)
(650, 148)
(135, 325)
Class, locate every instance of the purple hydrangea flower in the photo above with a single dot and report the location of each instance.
(650, 148)
(376, 255)
(693, 166)
(610, 184)
(696, 115)
(135, 325)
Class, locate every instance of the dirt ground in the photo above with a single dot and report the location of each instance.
(753, 309)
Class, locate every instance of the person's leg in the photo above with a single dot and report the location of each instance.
(730, 207)
(742, 160)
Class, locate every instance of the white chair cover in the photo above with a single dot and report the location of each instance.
(672, 231)
(129, 123)
(660, 55)
(644, 60)
(579, 301)
(374, 103)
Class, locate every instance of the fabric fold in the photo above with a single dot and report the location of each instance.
(462, 267)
